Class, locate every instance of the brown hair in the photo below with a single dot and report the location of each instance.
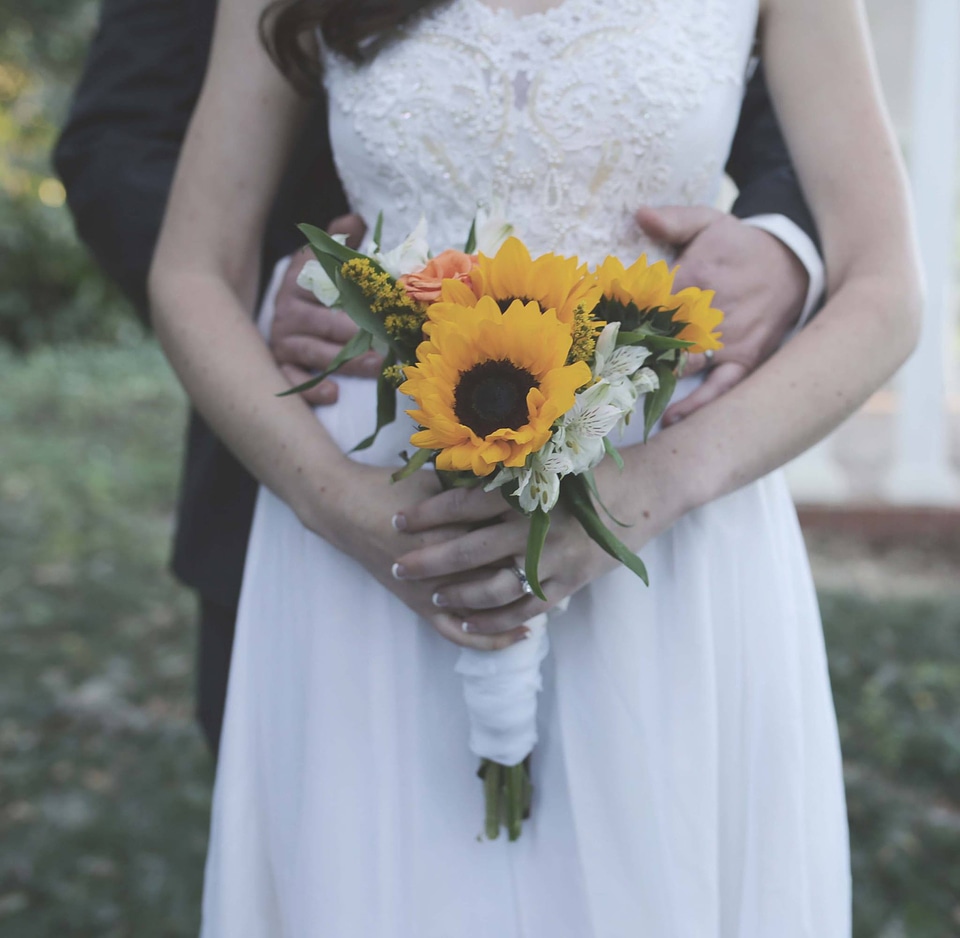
(287, 28)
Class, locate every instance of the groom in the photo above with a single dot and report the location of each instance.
(117, 156)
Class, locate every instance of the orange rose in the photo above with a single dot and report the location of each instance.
(424, 285)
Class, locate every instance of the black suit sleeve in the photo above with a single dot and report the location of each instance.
(119, 148)
(760, 164)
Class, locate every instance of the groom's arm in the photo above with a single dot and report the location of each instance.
(770, 197)
(119, 149)
(760, 164)
(763, 259)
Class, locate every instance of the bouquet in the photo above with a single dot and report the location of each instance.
(520, 369)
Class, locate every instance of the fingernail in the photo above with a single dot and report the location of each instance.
(399, 521)
(439, 600)
(398, 571)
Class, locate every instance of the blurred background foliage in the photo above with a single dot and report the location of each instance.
(50, 289)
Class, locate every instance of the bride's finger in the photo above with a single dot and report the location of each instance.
(494, 545)
(452, 629)
(456, 506)
(499, 589)
(497, 621)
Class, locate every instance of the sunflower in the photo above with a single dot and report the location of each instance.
(555, 282)
(489, 384)
(698, 319)
(641, 296)
(644, 285)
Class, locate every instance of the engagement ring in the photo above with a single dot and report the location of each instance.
(521, 575)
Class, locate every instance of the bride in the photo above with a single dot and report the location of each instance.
(688, 776)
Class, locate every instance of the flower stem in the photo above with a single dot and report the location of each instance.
(514, 800)
(526, 789)
(491, 791)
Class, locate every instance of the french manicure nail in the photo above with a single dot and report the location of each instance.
(439, 600)
(398, 571)
(399, 521)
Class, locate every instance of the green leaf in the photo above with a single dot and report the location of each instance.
(419, 459)
(386, 407)
(378, 233)
(331, 266)
(591, 484)
(359, 345)
(332, 256)
(656, 343)
(357, 307)
(322, 243)
(656, 401)
(613, 453)
(471, 244)
(512, 499)
(457, 479)
(580, 506)
(539, 526)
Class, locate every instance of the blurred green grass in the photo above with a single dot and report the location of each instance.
(104, 782)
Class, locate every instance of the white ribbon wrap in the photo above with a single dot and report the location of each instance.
(501, 689)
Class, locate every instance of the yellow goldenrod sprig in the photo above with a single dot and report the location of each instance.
(383, 292)
(584, 332)
(394, 374)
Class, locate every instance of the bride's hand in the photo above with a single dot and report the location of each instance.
(364, 529)
(495, 603)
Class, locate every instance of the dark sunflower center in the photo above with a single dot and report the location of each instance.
(657, 319)
(506, 302)
(493, 396)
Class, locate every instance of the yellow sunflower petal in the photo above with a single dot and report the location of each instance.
(456, 291)
(477, 360)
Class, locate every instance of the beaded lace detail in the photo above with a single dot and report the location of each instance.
(567, 119)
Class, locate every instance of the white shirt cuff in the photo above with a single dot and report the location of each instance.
(795, 238)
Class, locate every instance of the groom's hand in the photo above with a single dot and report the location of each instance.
(306, 336)
(760, 283)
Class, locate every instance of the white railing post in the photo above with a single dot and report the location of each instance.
(922, 472)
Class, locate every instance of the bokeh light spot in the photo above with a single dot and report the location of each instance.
(52, 193)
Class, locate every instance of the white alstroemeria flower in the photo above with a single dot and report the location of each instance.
(645, 381)
(579, 439)
(410, 255)
(492, 230)
(537, 485)
(314, 279)
(622, 368)
(539, 488)
(606, 346)
(504, 476)
(616, 364)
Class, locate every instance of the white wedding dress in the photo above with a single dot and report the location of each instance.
(688, 776)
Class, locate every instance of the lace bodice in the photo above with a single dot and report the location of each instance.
(568, 119)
